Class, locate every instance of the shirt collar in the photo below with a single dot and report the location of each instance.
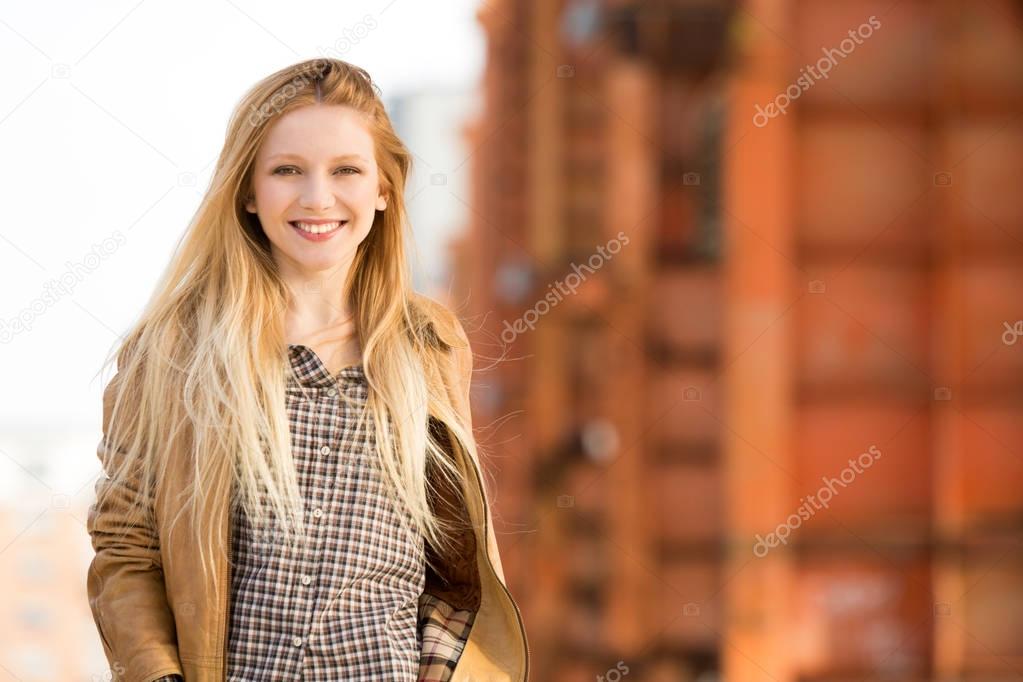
(310, 372)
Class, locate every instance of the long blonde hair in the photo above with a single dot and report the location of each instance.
(203, 372)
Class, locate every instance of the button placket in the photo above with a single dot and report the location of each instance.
(311, 551)
(327, 413)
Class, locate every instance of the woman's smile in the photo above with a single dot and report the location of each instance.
(317, 231)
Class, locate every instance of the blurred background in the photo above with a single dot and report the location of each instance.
(743, 280)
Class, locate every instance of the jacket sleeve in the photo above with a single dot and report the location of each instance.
(125, 578)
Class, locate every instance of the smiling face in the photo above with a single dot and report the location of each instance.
(316, 188)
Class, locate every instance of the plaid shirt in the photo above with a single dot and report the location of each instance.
(350, 605)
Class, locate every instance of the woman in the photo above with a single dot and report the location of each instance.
(293, 489)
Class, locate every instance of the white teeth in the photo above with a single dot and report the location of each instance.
(317, 229)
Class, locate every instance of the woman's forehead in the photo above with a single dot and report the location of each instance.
(320, 132)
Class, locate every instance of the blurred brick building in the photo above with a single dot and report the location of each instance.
(691, 316)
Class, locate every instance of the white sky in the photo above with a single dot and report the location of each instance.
(106, 107)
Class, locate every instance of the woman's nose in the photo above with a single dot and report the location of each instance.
(316, 194)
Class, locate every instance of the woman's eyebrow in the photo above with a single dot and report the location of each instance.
(343, 157)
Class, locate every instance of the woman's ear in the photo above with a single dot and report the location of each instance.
(381, 202)
(250, 203)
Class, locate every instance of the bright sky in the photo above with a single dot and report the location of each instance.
(110, 116)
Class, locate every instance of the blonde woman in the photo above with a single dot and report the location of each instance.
(292, 490)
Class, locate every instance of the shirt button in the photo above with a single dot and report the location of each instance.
(332, 391)
(306, 580)
(325, 450)
(317, 513)
(297, 641)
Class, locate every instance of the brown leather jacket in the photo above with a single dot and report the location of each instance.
(156, 615)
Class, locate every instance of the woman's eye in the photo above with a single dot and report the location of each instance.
(286, 170)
